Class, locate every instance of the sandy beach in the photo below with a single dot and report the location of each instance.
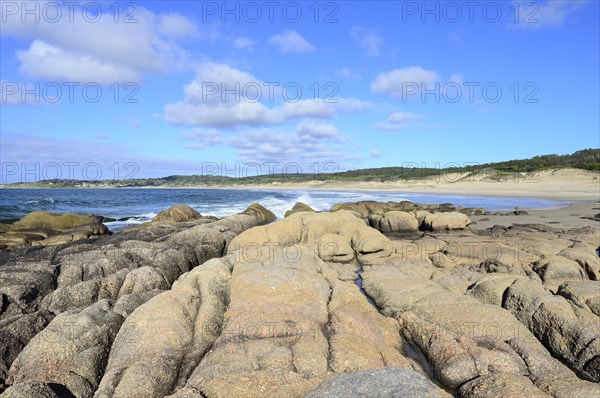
(575, 215)
(565, 185)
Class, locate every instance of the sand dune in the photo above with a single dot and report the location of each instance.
(563, 184)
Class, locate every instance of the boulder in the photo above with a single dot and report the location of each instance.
(4, 227)
(549, 374)
(19, 239)
(33, 389)
(490, 289)
(71, 351)
(163, 340)
(500, 385)
(298, 207)
(177, 213)
(61, 222)
(15, 334)
(394, 221)
(261, 214)
(73, 234)
(368, 207)
(556, 270)
(569, 332)
(446, 221)
(585, 294)
(588, 260)
(378, 383)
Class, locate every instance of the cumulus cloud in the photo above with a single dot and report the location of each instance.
(395, 81)
(312, 141)
(398, 121)
(225, 97)
(290, 42)
(317, 131)
(104, 52)
(71, 66)
(367, 39)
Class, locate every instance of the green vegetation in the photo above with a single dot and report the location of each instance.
(587, 159)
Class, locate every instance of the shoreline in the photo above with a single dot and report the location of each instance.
(499, 191)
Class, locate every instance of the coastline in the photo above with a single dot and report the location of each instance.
(564, 185)
(558, 192)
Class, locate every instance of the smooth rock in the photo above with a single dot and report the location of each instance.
(177, 213)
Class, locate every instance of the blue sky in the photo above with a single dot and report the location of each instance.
(308, 85)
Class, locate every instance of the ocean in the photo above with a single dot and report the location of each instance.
(142, 205)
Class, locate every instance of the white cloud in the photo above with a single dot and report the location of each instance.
(375, 153)
(82, 159)
(243, 43)
(311, 142)
(317, 131)
(547, 14)
(176, 25)
(290, 42)
(246, 101)
(70, 66)
(398, 121)
(367, 39)
(397, 80)
(109, 51)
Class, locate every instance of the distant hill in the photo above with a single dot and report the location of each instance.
(587, 159)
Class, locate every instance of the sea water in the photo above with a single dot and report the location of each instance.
(142, 204)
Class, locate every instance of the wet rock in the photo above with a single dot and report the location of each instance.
(382, 383)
